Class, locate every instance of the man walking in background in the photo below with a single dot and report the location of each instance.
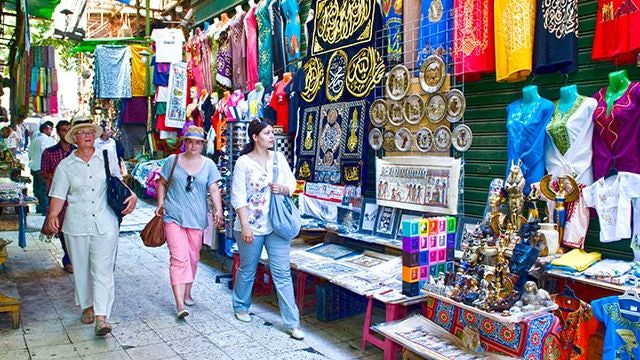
(51, 157)
(39, 143)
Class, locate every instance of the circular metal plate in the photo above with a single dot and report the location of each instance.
(462, 138)
(388, 141)
(436, 108)
(424, 139)
(375, 139)
(396, 114)
(403, 139)
(413, 109)
(442, 138)
(432, 74)
(456, 105)
(378, 113)
(398, 81)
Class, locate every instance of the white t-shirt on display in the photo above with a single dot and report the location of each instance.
(168, 45)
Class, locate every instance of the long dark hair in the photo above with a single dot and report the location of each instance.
(255, 127)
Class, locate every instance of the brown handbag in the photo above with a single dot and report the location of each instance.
(153, 233)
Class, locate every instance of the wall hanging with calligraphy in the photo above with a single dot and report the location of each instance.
(333, 127)
(428, 184)
(340, 24)
(308, 131)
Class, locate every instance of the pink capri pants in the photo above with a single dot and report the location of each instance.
(184, 250)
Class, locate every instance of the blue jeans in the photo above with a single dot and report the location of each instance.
(278, 250)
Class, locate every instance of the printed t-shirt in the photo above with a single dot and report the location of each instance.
(168, 45)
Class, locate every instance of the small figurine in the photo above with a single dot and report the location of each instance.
(532, 298)
(514, 185)
(560, 196)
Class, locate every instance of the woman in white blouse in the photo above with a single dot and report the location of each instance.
(90, 226)
(250, 197)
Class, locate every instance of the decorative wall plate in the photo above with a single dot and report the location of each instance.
(398, 81)
(442, 138)
(413, 109)
(378, 113)
(336, 75)
(436, 108)
(389, 141)
(396, 114)
(432, 74)
(403, 139)
(424, 139)
(462, 138)
(456, 105)
(375, 139)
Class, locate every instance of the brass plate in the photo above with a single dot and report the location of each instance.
(424, 139)
(398, 81)
(461, 138)
(403, 139)
(396, 114)
(456, 105)
(432, 74)
(442, 138)
(375, 139)
(436, 108)
(389, 141)
(378, 113)
(413, 109)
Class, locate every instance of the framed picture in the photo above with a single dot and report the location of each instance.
(349, 219)
(386, 221)
(407, 215)
(368, 216)
(426, 184)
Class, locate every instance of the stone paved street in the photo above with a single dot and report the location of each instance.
(143, 320)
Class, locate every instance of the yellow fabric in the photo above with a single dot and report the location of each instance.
(577, 259)
(514, 22)
(138, 70)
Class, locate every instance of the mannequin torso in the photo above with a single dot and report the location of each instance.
(568, 96)
(618, 84)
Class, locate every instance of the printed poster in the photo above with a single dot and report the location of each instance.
(177, 103)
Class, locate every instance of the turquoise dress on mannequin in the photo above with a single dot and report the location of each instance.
(292, 31)
(526, 131)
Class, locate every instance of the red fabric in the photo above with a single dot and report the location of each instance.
(160, 125)
(616, 35)
(474, 44)
(280, 104)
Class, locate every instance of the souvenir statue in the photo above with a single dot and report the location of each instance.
(532, 299)
(436, 108)
(389, 141)
(378, 113)
(424, 139)
(461, 138)
(561, 196)
(531, 203)
(398, 81)
(375, 139)
(456, 105)
(514, 185)
(432, 74)
(442, 138)
(413, 109)
(396, 116)
(403, 139)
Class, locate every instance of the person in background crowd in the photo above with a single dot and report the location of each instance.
(40, 141)
(184, 210)
(106, 141)
(251, 196)
(90, 226)
(51, 157)
(11, 139)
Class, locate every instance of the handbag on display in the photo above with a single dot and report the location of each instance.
(285, 216)
(117, 192)
(153, 233)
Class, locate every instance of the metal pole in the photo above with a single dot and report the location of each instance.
(147, 35)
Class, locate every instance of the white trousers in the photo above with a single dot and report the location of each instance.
(93, 258)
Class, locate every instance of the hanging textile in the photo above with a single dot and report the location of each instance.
(392, 17)
(616, 35)
(112, 78)
(436, 25)
(138, 70)
(238, 46)
(168, 44)
(265, 45)
(473, 38)
(251, 33)
(177, 104)
(514, 28)
(556, 38)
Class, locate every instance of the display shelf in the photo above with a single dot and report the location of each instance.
(591, 282)
(498, 317)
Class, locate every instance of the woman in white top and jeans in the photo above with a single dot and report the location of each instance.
(250, 197)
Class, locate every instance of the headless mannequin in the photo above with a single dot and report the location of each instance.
(568, 96)
(225, 96)
(224, 19)
(530, 94)
(239, 11)
(252, 3)
(618, 84)
(286, 77)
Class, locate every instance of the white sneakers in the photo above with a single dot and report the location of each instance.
(189, 302)
(244, 317)
(182, 314)
(296, 334)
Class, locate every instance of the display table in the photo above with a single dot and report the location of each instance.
(22, 219)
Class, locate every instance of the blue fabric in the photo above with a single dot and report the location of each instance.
(622, 331)
(435, 35)
(112, 72)
(292, 30)
(278, 250)
(188, 208)
(525, 137)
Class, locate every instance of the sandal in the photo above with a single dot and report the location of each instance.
(88, 317)
(102, 328)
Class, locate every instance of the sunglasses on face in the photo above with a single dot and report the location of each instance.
(189, 186)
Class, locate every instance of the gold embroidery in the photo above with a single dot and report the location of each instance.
(313, 79)
(518, 20)
(467, 39)
(607, 11)
(364, 72)
(338, 21)
(351, 173)
(308, 141)
(305, 170)
(336, 73)
(352, 143)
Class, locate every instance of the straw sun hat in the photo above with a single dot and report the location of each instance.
(78, 124)
(195, 133)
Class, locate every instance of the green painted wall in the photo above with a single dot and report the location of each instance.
(486, 115)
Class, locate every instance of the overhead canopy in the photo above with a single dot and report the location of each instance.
(89, 45)
(42, 9)
(206, 9)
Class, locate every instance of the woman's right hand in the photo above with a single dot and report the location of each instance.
(160, 211)
(246, 235)
(51, 225)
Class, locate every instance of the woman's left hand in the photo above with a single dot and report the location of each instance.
(277, 188)
(131, 202)
(218, 218)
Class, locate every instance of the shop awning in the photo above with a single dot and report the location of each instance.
(42, 9)
(89, 45)
(206, 9)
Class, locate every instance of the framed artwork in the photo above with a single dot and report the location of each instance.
(368, 216)
(386, 221)
(425, 184)
(407, 215)
(332, 251)
(349, 219)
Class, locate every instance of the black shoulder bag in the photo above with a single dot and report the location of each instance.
(117, 192)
